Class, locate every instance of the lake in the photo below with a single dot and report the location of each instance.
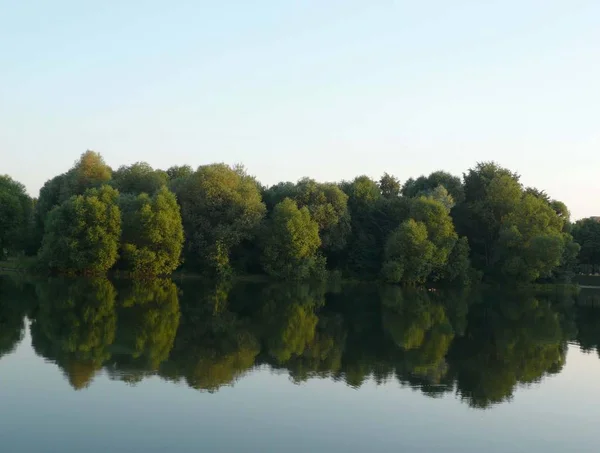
(90, 365)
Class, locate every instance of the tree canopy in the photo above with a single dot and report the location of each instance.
(218, 220)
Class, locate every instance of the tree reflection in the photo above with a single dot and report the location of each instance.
(75, 326)
(420, 328)
(511, 339)
(214, 346)
(148, 313)
(15, 299)
(481, 345)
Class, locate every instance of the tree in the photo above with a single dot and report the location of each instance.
(291, 243)
(531, 243)
(586, 233)
(152, 238)
(15, 216)
(176, 172)
(83, 234)
(390, 186)
(365, 246)
(420, 248)
(90, 171)
(408, 254)
(491, 193)
(139, 178)
(220, 207)
(327, 204)
(423, 185)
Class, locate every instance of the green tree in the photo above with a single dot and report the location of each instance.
(15, 216)
(491, 194)
(365, 246)
(420, 246)
(83, 234)
(531, 243)
(90, 171)
(291, 243)
(587, 234)
(139, 178)
(152, 239)
(408, 254)
(327, 204)
(424, 185)
(390, 186)
(220, 207)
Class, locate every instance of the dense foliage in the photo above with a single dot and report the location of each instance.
(152, 238)
(291, 242)
(82, 234)
(16, 208)
(217, 220)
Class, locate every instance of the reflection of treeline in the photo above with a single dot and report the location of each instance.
(217, 219)
(479, 344)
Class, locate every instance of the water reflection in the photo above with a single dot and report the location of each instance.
(480, 345)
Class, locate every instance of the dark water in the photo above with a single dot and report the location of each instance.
(95, 366)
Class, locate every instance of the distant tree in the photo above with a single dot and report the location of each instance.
(152, 239)
(15, 216)
(365, 246)
(291, 243)
(139, 178)
(83, 234)
(220, 207)
(423, 185)
(390, 186)
(176, 172)
(90, 171)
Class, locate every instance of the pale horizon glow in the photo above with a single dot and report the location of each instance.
(329, 90)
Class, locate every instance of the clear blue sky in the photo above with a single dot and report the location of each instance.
(322, 88)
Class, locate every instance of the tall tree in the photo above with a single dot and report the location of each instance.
(15, 216)
(531, 242)
(390, 186)
(423, 185)
(83, 234)
(291, 243)
(491, 193)
(327, 204)
(220, 207)
(90, 171)
(587, 234)
(139, 178)
(152, 239)
(421, 246)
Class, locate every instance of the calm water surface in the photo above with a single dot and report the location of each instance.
(99, 366)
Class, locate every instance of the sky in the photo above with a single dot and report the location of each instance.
(323, 88)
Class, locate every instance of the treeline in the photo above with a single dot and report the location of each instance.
(480, 345)
(218, 220)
